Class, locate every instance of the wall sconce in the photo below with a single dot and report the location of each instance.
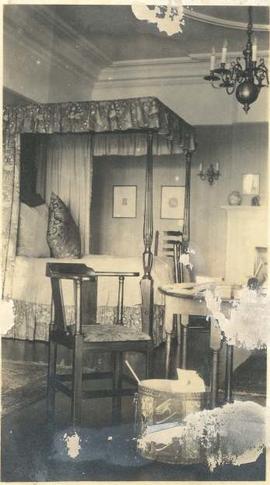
(211, 173)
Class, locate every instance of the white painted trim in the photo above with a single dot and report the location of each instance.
(179, 60)
(243, 207)
(229, 24)
(171, 71)
(104, 85)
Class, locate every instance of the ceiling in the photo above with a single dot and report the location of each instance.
(56, 53)
(119, 36)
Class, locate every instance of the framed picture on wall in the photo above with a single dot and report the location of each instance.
(172, 202)
(124, 201)
(251, 184)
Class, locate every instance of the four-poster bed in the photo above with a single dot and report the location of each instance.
(143, 122)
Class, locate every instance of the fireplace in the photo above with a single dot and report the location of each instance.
(246, 231)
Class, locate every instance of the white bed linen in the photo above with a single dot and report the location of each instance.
(30, 283)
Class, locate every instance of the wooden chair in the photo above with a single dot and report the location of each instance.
(172, 248)
(85, 334)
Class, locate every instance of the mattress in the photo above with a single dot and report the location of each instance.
(31, 285)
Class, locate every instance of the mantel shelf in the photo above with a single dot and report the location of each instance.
(243, 207)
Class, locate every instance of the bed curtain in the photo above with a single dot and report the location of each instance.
(133, 144)
(64, 166)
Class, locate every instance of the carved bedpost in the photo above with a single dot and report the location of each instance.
(186, 225)
(147, 280)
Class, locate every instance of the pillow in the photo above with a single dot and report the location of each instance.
(32, 200)
(32, 234)
(63, 234)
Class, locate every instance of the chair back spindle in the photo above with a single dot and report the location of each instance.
(120, 300)
(85, 293)
(172, 248)
(77, 304)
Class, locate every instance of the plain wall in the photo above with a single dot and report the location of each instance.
(123, 236)
(239, 149)
(198, 103)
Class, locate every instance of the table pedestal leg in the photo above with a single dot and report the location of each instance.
(167, 354)
(214, 380)
(184, 349)
(184, 321)
(178, 341)
(229, 373)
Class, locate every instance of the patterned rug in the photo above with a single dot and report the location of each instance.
(22, 384)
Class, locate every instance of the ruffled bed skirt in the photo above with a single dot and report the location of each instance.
(32, 320)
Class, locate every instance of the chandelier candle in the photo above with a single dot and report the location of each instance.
(212, 59)
(254, 50)
(224, 52)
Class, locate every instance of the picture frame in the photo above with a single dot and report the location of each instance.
(124, 201)
(251, 184)
(172, 202)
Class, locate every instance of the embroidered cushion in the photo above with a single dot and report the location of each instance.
(33, 223)
(63, 234)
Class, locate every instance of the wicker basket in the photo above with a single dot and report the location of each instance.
(157, 404)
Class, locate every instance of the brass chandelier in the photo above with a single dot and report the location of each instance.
(245, 76)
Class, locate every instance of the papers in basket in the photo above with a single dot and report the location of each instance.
(188, 381)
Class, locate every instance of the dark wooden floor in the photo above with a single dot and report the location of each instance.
(32, 451)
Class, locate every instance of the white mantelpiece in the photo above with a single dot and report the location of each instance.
(246, 230)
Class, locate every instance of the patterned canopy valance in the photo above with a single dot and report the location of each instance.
(122, 115)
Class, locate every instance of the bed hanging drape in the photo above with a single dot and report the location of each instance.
(10, 209)
(134, 144)
(64, 166)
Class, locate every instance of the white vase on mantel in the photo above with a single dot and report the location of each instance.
(234, 198)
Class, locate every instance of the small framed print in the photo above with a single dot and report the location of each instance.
(251, 184)
(172, 202)
(125, 201)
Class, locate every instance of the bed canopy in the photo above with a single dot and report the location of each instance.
(134, 126)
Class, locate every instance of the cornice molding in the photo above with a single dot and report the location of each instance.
(147, 82)
(229, 24)
(145, 72)
(192, 57)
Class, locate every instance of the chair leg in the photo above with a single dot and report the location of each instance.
(117, 358)
(214, 380)
(52, 359)
(178, 340)
(148, 364)
(167, 354)
(76, 402)
(229, 373)
(184, 336)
